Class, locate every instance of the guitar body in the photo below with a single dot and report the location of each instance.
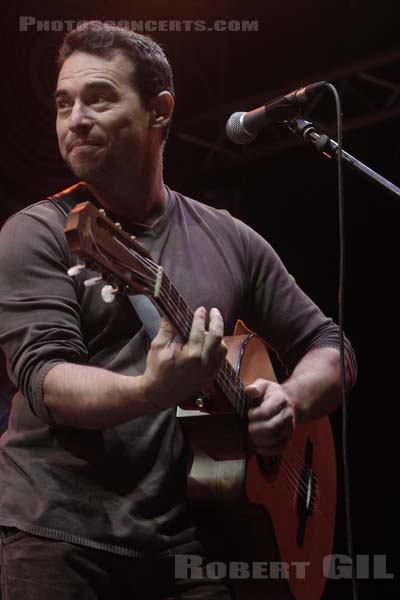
(298, 489)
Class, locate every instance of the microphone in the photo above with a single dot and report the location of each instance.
(243, 127)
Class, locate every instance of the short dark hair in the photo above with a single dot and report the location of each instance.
(153, 73)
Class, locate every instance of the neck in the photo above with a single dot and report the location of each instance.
(138, 198)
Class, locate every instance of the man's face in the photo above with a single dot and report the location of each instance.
(102, 126)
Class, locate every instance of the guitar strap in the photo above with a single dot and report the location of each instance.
(147, 313)
(144, 308)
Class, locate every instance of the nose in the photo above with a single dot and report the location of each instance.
(80, 122)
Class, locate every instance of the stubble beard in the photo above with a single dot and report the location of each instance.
(90, 171)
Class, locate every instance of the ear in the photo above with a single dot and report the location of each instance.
(162, 107)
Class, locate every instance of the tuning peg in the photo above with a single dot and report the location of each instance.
(200, 403)
(76, 269)
(108, 293)
(93, 281)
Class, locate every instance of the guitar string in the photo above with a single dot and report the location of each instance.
(146, 278)
(289, 492)
(297, 461)
(224, 373)
(298, 465)
(299, 476)
(186, 327)
(297, 458)
(292, 478)
(178, 298)
(315, 480)
(287, 489)
(295, 478)
(294, 482)
(166, 296)
(292, 491)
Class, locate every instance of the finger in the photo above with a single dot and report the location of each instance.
(270, 418)
(258, 388)
(257, 420)
(165, 334)
(215, 366)
(264, 435)
(272, 403)
(216, 325)
(214, 347)
(268, 409)
(195, 342)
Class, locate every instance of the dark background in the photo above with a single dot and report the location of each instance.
(285, 190)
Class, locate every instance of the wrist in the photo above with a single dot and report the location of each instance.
(146, 396)
(292, 389)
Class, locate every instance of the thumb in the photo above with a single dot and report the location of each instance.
(257, 388)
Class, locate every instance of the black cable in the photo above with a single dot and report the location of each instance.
(346, 476)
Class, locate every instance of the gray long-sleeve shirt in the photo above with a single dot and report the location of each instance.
(122, 489)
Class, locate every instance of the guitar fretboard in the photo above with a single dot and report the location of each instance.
(180, 314)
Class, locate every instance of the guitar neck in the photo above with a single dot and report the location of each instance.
(110, 250)
(179, 313)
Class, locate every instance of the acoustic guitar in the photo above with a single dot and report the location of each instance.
(297, 488)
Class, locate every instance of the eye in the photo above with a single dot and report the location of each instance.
(100, 98)
(62, 103)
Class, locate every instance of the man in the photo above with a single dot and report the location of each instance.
(92, 499)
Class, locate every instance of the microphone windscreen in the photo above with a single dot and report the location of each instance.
(236, 131)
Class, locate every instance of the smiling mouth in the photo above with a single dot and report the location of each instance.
(85, 147)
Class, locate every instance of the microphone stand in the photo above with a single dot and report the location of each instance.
(306, 131)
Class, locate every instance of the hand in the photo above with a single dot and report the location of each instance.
(175, 371)
(272, 422)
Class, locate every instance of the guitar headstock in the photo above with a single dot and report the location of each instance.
(102, 246)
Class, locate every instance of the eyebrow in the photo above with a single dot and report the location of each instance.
(63, 92)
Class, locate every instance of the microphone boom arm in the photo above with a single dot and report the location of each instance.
(308, 133)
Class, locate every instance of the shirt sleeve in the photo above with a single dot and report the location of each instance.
(289, 321)
(39, 309)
